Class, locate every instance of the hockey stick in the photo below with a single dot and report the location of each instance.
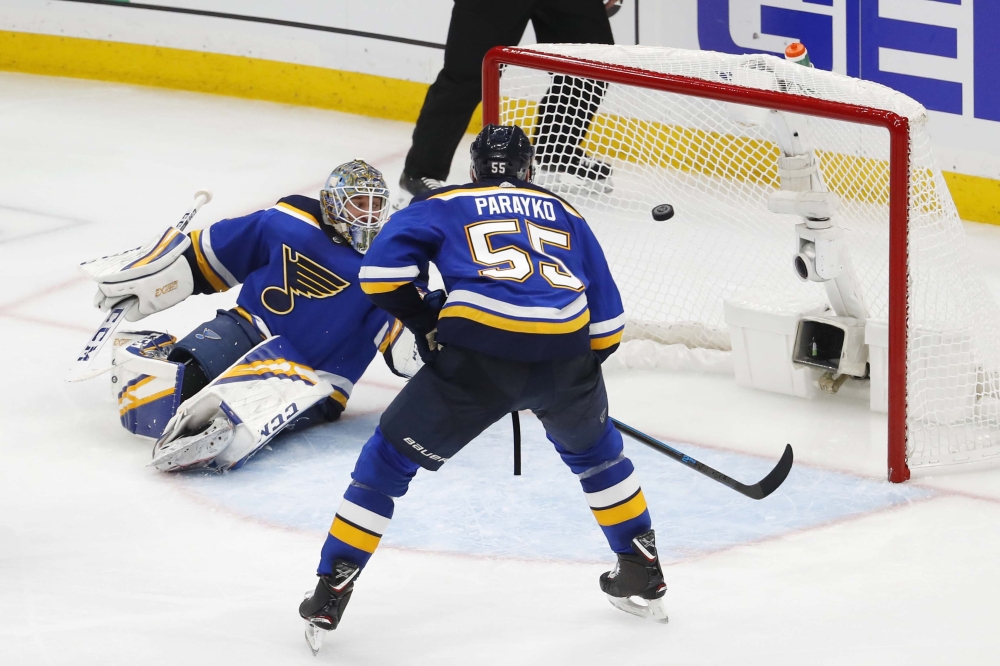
(515, 420)
(757, 491)
(82, 367)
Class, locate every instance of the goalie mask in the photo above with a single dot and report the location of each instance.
(355, 203)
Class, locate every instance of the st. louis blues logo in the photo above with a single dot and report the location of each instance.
(302, 277)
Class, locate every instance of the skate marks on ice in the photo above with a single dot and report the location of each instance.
(475, 506)
(20, 224)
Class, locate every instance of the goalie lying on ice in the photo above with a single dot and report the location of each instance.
(302, 332)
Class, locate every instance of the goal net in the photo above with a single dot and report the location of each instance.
(694, 129)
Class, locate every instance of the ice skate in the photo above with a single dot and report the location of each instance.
(574, 173)
(195, 450)
(323, 608)
(636, 584)
(411, 186)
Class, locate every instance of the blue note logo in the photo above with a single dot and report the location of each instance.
(301, 277)
(208, 334)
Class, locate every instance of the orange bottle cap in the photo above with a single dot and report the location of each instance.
(795, 50)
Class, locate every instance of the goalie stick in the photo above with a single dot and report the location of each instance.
(82, 367)
(757, 491)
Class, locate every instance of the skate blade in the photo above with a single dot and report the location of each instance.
(652, 609)
(314, 637)
(195, 451)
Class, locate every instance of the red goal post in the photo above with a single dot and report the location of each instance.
(897, 126)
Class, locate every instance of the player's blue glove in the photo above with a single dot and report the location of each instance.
(424, 325)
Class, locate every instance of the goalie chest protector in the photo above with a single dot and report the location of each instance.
(300, 281)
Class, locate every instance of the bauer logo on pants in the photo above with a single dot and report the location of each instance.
(422, 450)
(303, 277)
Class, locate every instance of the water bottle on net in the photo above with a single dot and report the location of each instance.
(796, 52)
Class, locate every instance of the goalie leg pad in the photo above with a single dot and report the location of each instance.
(196, 450)
(146, 384)
(258, 396)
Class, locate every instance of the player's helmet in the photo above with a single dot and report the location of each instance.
(356, 203)
(501, 151)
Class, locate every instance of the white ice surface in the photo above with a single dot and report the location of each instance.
(104, 561)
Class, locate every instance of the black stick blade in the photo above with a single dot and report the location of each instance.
(757, 491)
(775, 478)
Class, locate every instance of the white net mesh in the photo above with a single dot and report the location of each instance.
(717, 164)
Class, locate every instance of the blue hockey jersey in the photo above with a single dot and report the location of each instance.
(299, 281)
(526, 278)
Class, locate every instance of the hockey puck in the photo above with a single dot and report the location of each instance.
(663, 212)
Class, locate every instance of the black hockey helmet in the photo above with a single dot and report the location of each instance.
(501, 151)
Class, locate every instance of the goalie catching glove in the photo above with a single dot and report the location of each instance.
(157, 274)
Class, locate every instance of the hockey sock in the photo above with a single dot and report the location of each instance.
(361, 520)
(617, 502)
(612, 489)
(380, 474)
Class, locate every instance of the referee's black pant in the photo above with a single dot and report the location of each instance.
(476, 27)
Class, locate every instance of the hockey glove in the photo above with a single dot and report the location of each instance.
(424, 325)
(156, 274)
(402, 355)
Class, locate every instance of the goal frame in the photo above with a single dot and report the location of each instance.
(899, 180)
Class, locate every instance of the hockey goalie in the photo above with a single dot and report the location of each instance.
(287, 355)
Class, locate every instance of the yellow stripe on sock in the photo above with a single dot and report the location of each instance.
(352, 536)
(619, 514)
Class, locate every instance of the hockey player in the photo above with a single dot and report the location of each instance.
(530, 314)
(302, 333)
